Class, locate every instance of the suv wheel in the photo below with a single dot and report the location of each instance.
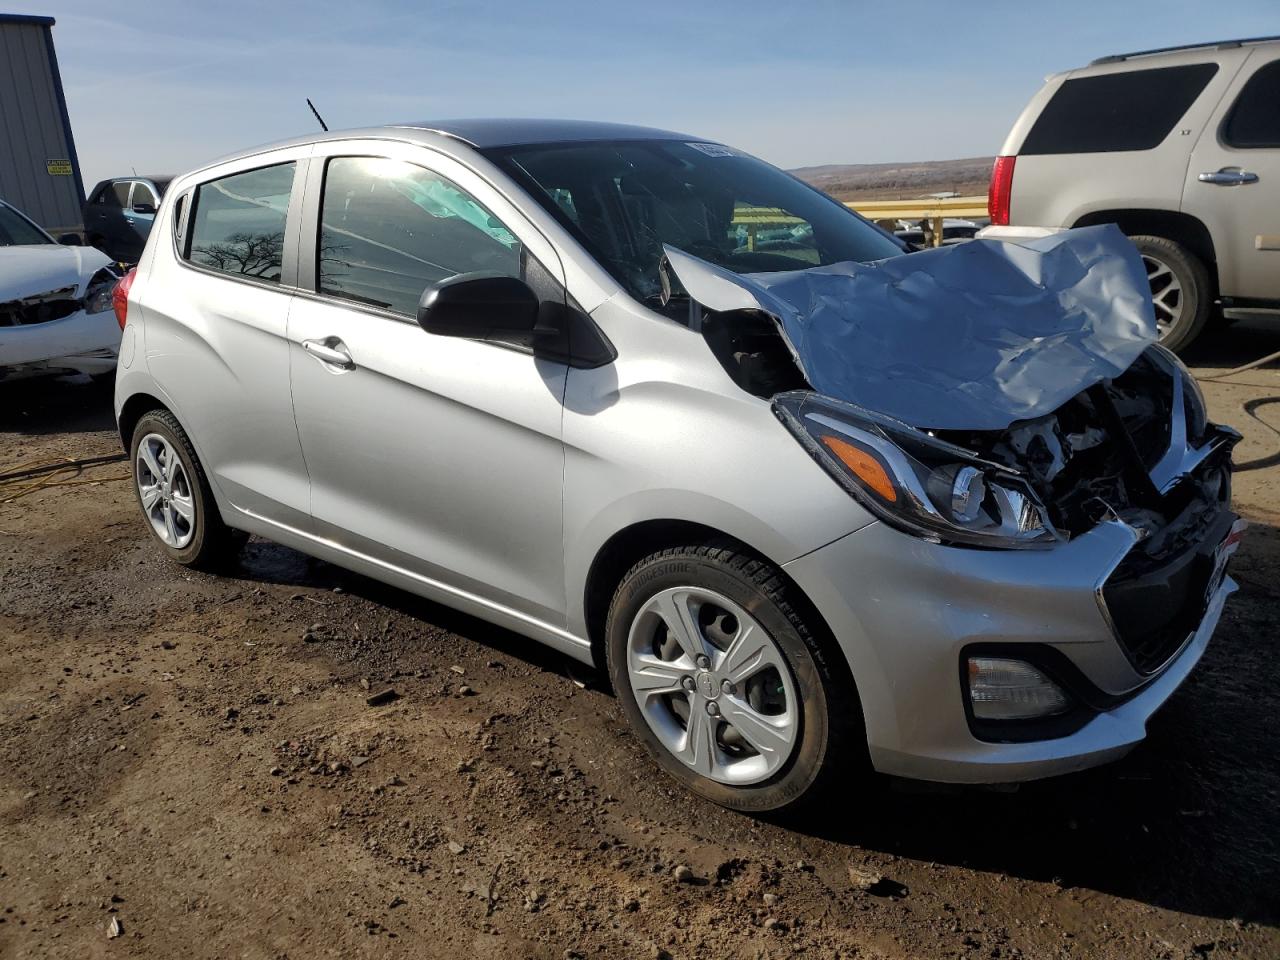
(727, 683)
(1180, 289)
(174, 495)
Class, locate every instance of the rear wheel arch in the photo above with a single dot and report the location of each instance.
(1178, 254)
(134, 409)
(1181, 228)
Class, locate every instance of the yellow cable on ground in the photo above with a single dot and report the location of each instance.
(58, 473)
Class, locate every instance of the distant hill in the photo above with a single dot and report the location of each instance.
(900, 181)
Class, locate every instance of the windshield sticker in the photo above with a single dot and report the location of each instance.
(713, 149)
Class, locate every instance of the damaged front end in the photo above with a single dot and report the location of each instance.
(50, 305)
(1019, 406)
(56, 312)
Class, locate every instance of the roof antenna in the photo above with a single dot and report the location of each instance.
(323, 126)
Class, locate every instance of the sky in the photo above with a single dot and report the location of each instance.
(164, 87)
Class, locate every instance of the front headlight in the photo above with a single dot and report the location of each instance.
(913, 481)
(98, 297)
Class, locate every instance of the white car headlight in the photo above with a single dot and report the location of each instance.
(97, 297)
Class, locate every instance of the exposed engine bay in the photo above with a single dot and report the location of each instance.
(947, 457)
(1087, 462)
(1092, 459)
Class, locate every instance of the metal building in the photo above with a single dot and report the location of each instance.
(39, 171)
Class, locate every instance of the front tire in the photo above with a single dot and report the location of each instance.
(1180, 290)
(728, 680)
(174, 496)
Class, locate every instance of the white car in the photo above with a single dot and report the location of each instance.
(55, 303)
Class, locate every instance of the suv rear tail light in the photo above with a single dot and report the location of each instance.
(1001, 188)
(120, 297)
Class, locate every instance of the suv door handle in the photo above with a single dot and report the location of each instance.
(1228, 178)
(330, 350)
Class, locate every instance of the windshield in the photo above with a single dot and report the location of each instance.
(624, 200)
(17, 230)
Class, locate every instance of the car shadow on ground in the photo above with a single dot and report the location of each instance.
(42, 406)
(265, 562)
(1189, 821)
(1235, 344)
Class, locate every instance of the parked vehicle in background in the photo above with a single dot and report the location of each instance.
(538, 371)
(119, 213)
(1181, 148)
(55, 303)
(919, 233)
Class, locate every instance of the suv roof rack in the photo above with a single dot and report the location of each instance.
(1217, 44)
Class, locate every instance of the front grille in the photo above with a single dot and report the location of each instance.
(1155, 605)
(42, 308)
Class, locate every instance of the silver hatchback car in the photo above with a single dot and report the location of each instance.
(609, 387)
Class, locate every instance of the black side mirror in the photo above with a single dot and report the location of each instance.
(144, 207)
(478, 305)
(71, 240)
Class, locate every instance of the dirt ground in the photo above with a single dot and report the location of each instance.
(189, 762)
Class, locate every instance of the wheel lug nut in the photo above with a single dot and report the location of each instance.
(726, 687)
(687, 683)
(703, 661)
(712, 708)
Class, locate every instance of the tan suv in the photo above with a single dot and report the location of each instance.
(1181, 148)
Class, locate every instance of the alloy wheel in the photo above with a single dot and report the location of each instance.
(713, 686)
(1166, 294)
(165, 491)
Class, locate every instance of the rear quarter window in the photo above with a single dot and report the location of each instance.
(1254, 119)
(1134, 110)
(239, 223)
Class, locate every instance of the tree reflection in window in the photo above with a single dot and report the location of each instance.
(252, 255)
(239, 222)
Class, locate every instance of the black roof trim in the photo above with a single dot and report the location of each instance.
(1213, 44)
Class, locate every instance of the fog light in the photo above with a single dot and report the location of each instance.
(1001, 689)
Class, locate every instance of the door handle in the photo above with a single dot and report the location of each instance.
(331, 350)
(1228, 177)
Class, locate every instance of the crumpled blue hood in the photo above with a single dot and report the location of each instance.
(972, 336)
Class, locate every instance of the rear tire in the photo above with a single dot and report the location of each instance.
(174, 495)
(785, 724)
(1180, 289)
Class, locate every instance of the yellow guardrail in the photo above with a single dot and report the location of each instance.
(886, 213)
(963, 208)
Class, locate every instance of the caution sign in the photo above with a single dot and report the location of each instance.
(58, 168)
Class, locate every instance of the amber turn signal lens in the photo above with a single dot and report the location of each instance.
(863, 466)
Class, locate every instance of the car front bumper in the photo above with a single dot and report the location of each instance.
(81, 341)
(904, 612)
